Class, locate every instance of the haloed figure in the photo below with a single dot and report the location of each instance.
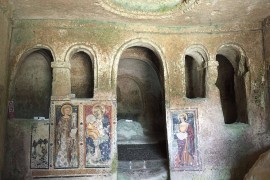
(65, 138)
(185, 141)
(97, 136)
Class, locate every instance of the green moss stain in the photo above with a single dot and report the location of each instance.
(146, 6)
(104, 37)
(20, 36)
(108, 36)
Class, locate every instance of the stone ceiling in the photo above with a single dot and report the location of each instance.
(156, 12)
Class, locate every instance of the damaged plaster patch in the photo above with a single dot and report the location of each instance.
(148, 9)
(150, 5)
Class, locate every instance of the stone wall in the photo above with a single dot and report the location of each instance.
(4, 54)
(226, 150)
(266, 38)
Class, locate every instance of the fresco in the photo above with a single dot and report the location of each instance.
(39, 145)
(184, 146)
(97, 120)
(66, 136)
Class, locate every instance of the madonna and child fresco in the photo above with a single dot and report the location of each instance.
(97, 135)
(66, 136)
(185, 151)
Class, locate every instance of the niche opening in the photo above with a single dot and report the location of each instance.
(195, 72)
(33, 85)
(232, 84)
(82, 75)
(141, 110)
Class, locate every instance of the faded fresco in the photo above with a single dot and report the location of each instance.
(129, 98)
(39, 145)
(97, 135)
(66, 136)
(184, 146)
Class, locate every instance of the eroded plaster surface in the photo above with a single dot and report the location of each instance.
(226, 150)
(4, 54)
(103, 30)
(260, 170)
(266, 38)
(207, 12)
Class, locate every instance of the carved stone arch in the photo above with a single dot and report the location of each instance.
(146, 44)
(92, 52)
(235, 104)
(139, 71)
(236, 55)
(18, 60)
(31, 82)
(199, 53)
(195, 63)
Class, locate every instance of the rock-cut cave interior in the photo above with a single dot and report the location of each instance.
(118, 89)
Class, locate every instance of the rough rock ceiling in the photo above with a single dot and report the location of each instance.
(206, 12)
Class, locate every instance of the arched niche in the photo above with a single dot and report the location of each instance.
(140, 90)
(130, 98)
(141, 126)
(33, 85)
(195, 63)
(82, 75)
(146, 43)
(232, 83)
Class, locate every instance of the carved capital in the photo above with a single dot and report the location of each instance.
(61, 65)
(212, 64)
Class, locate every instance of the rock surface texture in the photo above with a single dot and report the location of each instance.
(261, 169)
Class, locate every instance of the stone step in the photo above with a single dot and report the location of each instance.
(142, 165)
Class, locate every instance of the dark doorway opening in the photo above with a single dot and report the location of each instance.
(141, 128)
(225, 84)
(232, 81)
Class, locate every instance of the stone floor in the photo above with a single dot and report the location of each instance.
(160, 173)
(142, 161)
(130, 152)
(136, 162)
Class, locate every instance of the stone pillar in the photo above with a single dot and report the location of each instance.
(266, 44)
(214, 109)
(212, 75)
(61, 85)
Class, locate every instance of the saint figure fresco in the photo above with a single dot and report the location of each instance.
(185, 141)
(66, 149)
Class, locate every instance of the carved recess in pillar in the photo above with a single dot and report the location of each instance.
(142, 9)
(184, 150)
(266, 22)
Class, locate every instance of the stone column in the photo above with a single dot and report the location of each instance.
(213, 108)
(266, 44)
(61, 85)
(212, 75)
